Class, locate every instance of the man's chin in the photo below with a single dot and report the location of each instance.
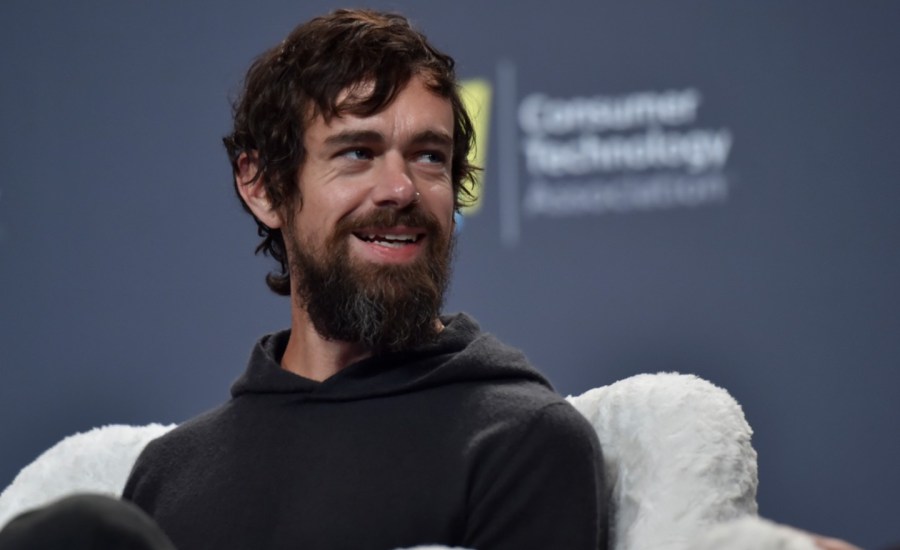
(381, 327)
(386, 307)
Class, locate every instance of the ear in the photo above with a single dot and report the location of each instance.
(254, 191)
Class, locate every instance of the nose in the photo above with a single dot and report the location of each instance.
(394, 186)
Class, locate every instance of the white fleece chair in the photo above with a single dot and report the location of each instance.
(681, 471)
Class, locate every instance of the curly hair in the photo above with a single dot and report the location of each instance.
(302, 78)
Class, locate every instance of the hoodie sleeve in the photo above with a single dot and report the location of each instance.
(538, 484)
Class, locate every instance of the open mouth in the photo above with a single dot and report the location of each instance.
(391, 240)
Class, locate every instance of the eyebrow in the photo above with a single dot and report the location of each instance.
(354, 137)
(432, 137)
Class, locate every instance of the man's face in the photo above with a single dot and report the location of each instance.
(370, 246)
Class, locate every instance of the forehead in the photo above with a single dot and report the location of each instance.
(414, 108)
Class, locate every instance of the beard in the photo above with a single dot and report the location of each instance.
(386, 307)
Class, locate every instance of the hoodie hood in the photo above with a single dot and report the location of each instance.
(461, 353)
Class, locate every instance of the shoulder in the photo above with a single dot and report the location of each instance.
(181, 460)
(187, 442)
(551, 421)
(527, 418)
(521, 403)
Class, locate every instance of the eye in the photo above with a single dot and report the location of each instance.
(357, 153)
(432, 157)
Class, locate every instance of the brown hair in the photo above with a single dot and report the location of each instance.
(302, 77)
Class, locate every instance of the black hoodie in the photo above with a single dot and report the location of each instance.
(459, 443)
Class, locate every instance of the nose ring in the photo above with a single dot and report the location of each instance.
(416, 197)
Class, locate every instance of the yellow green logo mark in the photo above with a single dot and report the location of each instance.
(476, 97)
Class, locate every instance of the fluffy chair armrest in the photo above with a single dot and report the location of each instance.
(752, 533)
(677, 456)
(97, 461)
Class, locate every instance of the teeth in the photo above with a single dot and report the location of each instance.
(392, 239)
(409, 238)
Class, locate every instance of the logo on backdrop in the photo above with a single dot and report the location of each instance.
(476, 96)
(591, 155)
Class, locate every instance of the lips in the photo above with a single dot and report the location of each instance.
(392, 236)
(390, 239)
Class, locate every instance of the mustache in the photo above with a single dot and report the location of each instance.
(413, 216)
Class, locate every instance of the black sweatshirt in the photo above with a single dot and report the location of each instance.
(459, 443)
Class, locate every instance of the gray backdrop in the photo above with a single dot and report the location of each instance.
(705, 187)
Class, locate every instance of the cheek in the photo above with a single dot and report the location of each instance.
(441, 197)
(447, 207)
(333, 205)
(441, 209)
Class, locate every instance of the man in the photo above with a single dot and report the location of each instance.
(374, 422)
